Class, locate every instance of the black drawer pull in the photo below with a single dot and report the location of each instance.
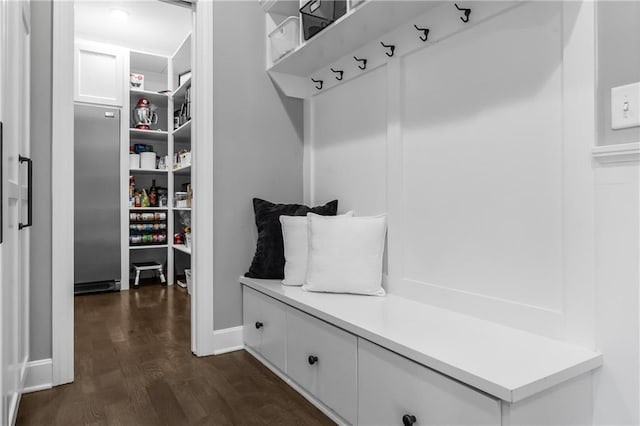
(408, 419)
(312, 359)
(259, 325)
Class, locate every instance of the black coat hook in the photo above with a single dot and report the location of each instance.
(391, 47)
(425, 32)
(364, 63)
(467, 12)
(318, 83)
(339, 72)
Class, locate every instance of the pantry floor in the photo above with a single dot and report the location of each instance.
(133, 366)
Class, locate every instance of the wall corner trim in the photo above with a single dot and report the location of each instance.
(617, 154)
(39, 375)
(228, 340)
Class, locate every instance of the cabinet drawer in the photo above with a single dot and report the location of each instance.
(391, 387)
(333, 377)
(264, 326)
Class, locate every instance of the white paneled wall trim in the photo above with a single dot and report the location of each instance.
(617, 154)
(489, 194)
(512, 369)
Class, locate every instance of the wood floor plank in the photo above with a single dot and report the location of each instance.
(133, 366)
(166, 404)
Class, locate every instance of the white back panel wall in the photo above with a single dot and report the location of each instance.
(482, 171)
(349, 159)
(489, 186)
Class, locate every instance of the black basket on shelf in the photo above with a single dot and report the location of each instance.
(318, 14)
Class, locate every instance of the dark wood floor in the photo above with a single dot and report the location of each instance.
(133, 366)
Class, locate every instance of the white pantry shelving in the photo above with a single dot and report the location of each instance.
(155, 135)
(182, 248)
(149, 246)
(161, 77)
(135, 209)
(183, 170)
(147, 171)
(154, 97)
(183, 133)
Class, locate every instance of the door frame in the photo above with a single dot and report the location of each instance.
(62, 197)
(62, 220)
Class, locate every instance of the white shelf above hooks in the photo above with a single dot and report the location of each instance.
(369, 36)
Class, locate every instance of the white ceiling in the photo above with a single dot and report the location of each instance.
(152, 26)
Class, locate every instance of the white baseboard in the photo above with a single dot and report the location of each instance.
(39, 375)
(227, 340)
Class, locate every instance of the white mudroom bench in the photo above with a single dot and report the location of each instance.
(393, 361)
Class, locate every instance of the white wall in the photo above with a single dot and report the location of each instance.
(617, 209)
(618, 35)
(257, 148)
(479, 148)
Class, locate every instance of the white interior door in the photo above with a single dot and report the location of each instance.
(16, 169)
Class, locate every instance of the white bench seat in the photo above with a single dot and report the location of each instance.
(504, 362)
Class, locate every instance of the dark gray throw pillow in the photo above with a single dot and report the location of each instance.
(268, 261)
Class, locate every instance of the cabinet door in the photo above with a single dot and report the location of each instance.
(391, 387)
(264, 326)
(99, 73)
(332, 375)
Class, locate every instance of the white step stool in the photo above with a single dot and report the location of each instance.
(148, 266)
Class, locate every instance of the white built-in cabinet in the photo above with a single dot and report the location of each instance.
(100, 70)
(391, 361)
(323, 360)
(269, 340)
(392, 387)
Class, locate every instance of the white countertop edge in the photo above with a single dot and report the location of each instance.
(505, 393)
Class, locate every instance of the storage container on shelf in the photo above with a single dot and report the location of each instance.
(134, 161)
(184, 159)
(148, 160)
(318, 14)
(181, 200)
(285, 37)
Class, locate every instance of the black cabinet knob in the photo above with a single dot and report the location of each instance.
(312, 359)
(408, 419)
(259, 325)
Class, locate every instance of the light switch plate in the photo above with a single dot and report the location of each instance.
(625, 106)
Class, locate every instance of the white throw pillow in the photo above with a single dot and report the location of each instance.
(296, 243)
(294, 236)
(345, 254)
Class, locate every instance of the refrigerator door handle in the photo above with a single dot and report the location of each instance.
(29, 191)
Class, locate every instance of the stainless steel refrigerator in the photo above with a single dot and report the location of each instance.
(97, 199)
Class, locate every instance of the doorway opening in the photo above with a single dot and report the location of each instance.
(66, 93)
(132, 168)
